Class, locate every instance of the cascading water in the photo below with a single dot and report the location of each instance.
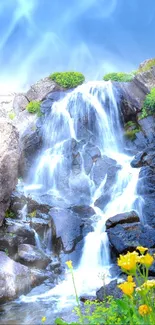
(88, 115)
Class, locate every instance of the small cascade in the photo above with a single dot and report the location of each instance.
(37, 240)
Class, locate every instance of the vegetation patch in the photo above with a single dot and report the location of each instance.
(131, 134)
(68, 79)
(119, 76)
(148, 105)
(34, 108)
(147, 66)
(12, 115)
(137, 305)
(10, 214)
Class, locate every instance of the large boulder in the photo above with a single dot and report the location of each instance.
(31, 256)
(9, 160)
(110, 289)
(127, 236)
(16, 279)
(126, 217)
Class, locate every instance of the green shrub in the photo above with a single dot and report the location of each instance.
(68, 79)
(131, 134)
(12, 115)
(34, 108)
(130, 124)
(118, 76)
(9, 214)
(148, 105)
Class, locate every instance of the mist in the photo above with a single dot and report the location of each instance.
(38, 37)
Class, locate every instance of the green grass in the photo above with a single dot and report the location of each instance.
(118, 76)
(68, 79)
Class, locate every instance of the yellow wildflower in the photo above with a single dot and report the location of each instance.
(127, 288)
(149, 284)
(69, 264)
(43, 319)
(130, 278)
(147, 260)
(142, 249)
(144, 310)
(128, 261)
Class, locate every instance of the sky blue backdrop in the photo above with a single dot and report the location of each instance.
(92, 36)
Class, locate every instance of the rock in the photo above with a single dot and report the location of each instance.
(9, 159)
(16, 279)
(126, 217)
(31, 144)
(6, 104)
(145, 80)
(71, 222)
(29, 255)
(110, 289)
(41, 89)
(103, 200)
(132, 96)
(148, 128)
(13, 233)
(20, 102)
(126, 237)
(138, 160)
(103, 166)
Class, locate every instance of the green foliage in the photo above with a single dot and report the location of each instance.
(131, 134)
(6, 251)
(148, 105)
(33, 214)
(68, 79)
(130, 124)
(34, 108)
(12, 115)
(118, 76)
(9, 214)
(149, 102)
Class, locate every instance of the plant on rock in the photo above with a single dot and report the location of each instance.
(118, 76)
(68, 79)
(34, 107)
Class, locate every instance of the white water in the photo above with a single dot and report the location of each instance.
(96, 103)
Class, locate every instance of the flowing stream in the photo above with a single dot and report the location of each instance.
(90, 112)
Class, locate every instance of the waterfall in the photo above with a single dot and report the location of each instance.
(88, 115)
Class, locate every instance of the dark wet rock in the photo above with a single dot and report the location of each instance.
(29, 255)
(138, 160)
(110, 289)
(9, 159)
(103, 200)
(16, 279)
(115, 271)
(74, 256)
(12, 234)
(70, 222)
(31, 143)
(121, 218)
(126, 237)
(84, 211)
(103, 166)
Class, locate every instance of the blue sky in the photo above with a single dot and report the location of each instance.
(38, 37)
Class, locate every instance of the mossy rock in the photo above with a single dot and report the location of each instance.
(118, 76)
(131, 134)
(68, 79)
(146, 65)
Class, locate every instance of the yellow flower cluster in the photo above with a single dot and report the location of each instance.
(128, 261)
(128, 286)
(149, 284)
(141, 249)
(144, 310)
